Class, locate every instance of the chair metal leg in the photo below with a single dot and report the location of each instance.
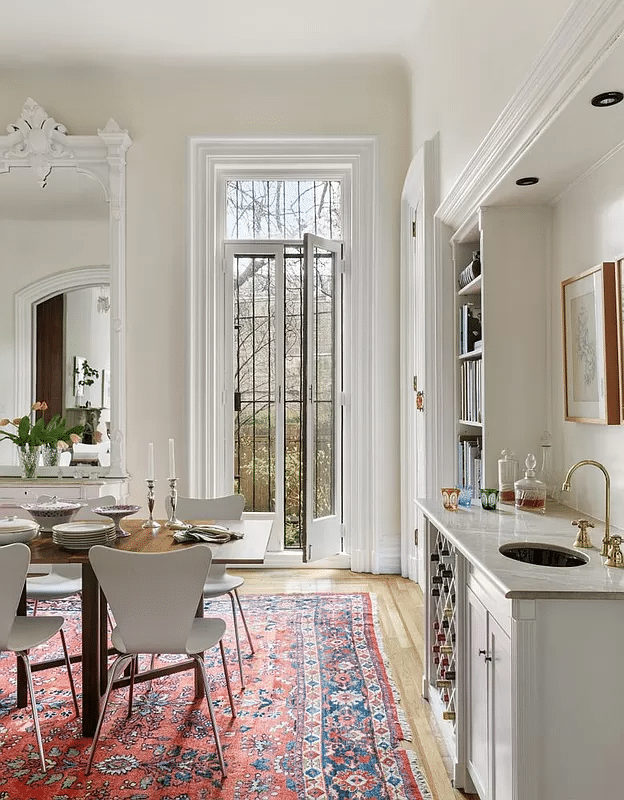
(35, 608)
(31, 690)
(152, 662)
(236, 636)
(213, 721)
(227, 678)
(133, 669)
(69, 672)
(249, 639)
(120, 662)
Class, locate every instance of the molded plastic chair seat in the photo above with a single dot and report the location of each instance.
(219, 581)
(154, 597)
(19, 634)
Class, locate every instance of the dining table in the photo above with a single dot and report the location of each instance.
(248, 550)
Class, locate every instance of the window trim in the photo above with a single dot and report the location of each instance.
(213, 159)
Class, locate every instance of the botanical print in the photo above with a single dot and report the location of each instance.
(584, 353)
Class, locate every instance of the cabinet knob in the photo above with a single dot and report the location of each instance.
(482, 652)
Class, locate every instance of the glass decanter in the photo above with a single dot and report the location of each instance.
(530, 492)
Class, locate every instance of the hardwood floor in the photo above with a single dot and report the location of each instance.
(400, 605)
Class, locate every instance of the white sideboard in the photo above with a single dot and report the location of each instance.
(14, 491)
(519, 657)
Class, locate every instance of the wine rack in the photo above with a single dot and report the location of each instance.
(443, 620)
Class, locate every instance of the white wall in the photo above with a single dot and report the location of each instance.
(588, 229)
(161, 105)
(467, 61)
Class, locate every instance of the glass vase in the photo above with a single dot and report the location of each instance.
(51, 455)
(29, 459)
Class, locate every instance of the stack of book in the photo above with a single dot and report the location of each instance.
(470, 391)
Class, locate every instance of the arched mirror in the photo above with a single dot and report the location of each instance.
(62, 306)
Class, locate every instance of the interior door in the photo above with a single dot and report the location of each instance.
(323, 410)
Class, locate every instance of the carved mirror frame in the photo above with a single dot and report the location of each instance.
(37, 141)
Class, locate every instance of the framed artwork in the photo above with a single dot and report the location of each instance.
(590, 346)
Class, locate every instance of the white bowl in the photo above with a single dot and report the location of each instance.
(49, 514)
(13, 529)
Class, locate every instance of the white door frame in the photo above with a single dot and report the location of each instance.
(209, 159)
(418, 205)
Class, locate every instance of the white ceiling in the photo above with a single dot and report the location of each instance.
(232, 29)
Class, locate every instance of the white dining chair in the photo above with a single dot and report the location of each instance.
(58, 581)
(220, 581)
(19, 634)
(154, 598)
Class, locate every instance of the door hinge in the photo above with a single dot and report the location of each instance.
(415, 537)
(414, 228)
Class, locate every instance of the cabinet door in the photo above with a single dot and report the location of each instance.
(500, 700)
(477, 691)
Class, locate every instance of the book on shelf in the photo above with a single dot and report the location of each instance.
(469, 462)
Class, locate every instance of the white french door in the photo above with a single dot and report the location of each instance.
(323, 374)
(283, 315)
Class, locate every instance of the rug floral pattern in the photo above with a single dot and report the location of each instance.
(318, 719)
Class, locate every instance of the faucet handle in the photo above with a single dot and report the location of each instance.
(615, 559)
(582, 537)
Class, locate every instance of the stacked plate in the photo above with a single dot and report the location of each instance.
(83, 535)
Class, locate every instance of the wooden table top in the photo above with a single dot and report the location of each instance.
(248, 550)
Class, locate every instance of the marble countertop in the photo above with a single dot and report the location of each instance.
(478, 534)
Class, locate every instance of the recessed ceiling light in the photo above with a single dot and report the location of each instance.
(607, 99)
(527, 181)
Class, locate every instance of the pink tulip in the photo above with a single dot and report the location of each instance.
(4, 422)
(74, 437)
(61, 445)
(35, 406)
(17, 420)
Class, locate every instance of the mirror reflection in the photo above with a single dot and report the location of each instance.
(55, 252)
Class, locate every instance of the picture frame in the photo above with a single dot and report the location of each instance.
(590, 346)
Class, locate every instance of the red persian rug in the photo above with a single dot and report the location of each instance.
(318, 718)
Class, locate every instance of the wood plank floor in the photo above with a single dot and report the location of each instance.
(400, 604)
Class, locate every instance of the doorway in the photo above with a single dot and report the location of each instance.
(287, 386)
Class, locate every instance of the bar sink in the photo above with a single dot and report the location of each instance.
(544, 555)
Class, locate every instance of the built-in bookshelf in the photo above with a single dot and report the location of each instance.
(469, 366)
(501, 371)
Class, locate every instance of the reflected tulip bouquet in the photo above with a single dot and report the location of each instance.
(34, 433)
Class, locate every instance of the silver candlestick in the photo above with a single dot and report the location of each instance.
(173, 521)
(151, 522)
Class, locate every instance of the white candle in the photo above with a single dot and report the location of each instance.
(171, 460)
(150, 461)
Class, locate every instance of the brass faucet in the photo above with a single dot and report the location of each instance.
(565, 487)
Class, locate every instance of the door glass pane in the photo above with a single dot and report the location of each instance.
(294, 397)
(323, 409)
(254, 380)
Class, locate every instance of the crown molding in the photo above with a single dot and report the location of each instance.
(583, 38)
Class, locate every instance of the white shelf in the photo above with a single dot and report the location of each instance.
(468, 422)
(470, 355)
(474, 287)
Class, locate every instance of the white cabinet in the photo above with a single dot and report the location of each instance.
(488, 702)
